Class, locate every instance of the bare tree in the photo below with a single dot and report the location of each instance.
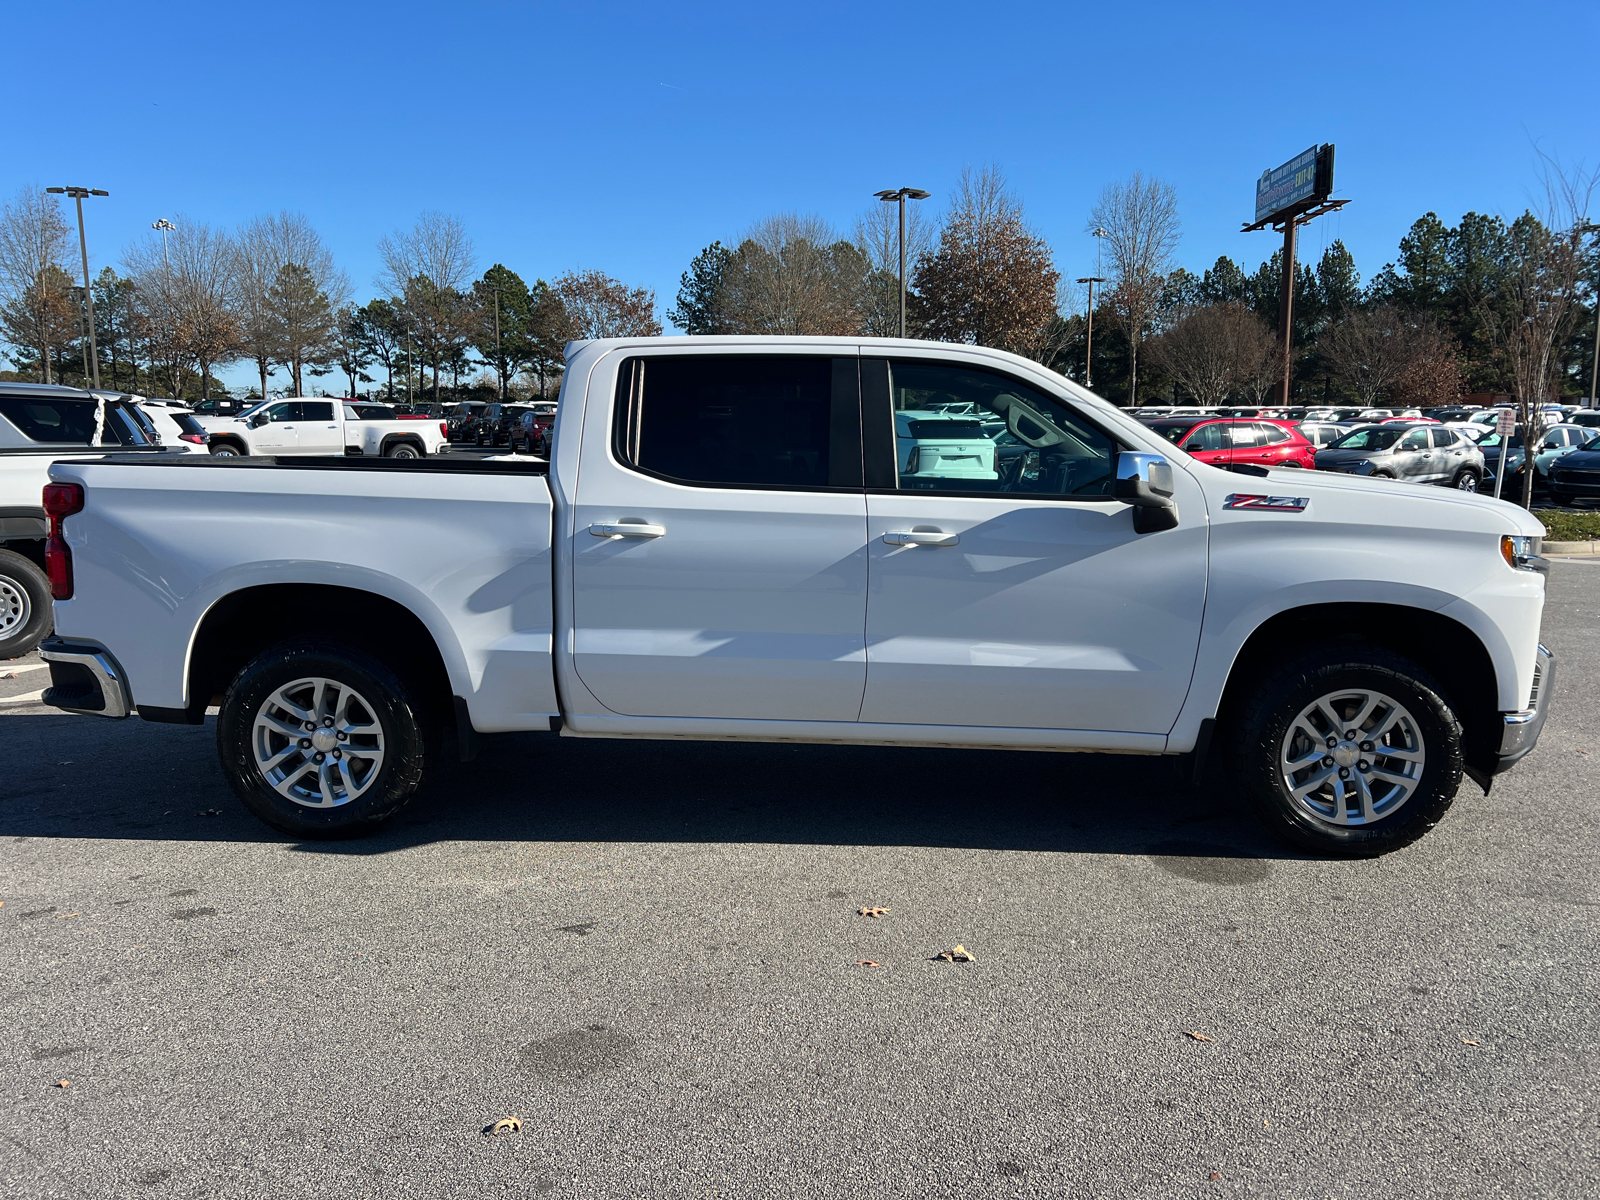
(991, 280)
(598, 306)
(427, 270)
(793, 275)
(1215, 351)
(266, 245)
(1140, 219)
(190, 284)
(877, 236)
(37, 309)
(1534, 298)
(1376, 352)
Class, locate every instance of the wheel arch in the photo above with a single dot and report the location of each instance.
(229, 439)
(1449, 650)
(240, 625)
(392, 440)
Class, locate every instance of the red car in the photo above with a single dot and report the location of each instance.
(1223, 441)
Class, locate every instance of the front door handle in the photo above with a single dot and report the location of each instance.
(921, 537)
(627, 529)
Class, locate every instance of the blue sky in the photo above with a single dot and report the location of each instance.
(627, 136)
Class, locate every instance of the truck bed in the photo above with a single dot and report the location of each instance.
(465, 545)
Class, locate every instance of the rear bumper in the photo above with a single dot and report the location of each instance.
(84, 678)
(1522, 729)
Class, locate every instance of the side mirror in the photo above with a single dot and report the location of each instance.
(1145, 482)
(257, 421)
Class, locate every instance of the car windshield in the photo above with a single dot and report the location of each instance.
(1173, 431)
(1494, 439)
(1375, 438)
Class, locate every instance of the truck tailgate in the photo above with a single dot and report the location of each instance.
(468, 552)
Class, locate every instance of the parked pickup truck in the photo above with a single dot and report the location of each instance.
(725, 544)
(302, 425)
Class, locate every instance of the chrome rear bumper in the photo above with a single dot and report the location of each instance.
(1522, 729)
(84, 678)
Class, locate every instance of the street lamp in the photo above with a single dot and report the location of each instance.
(1088, 348)
(164, 226)
(78, 193)
(900, 197)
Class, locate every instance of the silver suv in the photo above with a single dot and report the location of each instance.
(1413, 453)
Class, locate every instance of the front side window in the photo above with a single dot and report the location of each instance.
(741, 421)
(1417, 439)
(1209, 437)
(283, 412)
(962, 429)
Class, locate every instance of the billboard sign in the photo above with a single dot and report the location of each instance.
(1308, 176)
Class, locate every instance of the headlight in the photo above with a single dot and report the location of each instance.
(1522, 553)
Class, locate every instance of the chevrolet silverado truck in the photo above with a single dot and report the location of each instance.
(302, 425)
(729, 541)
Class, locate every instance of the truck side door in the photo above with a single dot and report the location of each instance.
(719, 564)
(320, 431)
(1025, 600)
(280, 432)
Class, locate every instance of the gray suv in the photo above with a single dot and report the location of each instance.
(1413, 453)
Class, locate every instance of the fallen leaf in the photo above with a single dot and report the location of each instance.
(64, 916)
(63, 1083)
(1197, 1035)
(10, 675)
(867, 962)
(873, 912)
(1470, 1042)
(504, 1126)
(1216, 1174)
(959, 954)
(1583, 752)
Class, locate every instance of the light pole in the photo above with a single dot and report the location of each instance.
(1088, 349)
(1594, 370)
(78, 193)
(900, 197)
(164, 226)
(499, 375)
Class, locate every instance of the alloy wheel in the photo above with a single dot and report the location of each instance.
(318, 742)
(15, 607)
(1352, 757)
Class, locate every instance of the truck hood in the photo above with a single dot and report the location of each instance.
(1344, 497)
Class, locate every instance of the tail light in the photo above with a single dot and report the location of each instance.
(199, 439)
(444, 430)
(61, 500)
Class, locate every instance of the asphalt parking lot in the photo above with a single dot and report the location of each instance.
(646, 952)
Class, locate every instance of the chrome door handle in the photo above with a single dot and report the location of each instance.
(921, 537)
(627, 529)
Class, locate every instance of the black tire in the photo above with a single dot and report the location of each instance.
(1381, 475)
(1466, 480)
(226, 450)
(402, 450)
(1266, 712)
(397, 713)
(26, 617)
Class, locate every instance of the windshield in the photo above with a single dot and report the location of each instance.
(1369, 439)
(1173, 431)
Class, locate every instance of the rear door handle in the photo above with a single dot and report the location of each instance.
(921, 537)
(627, 529)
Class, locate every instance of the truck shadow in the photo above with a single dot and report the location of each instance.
(79, 777)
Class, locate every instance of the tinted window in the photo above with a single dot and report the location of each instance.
(122, 428)
(1272, 434)
(752, 421)
(50, 420)
(1443, 437)
(957, 429)
(283, 412)
(1209, 437)
(1173, 431)
(316, 410)
(1374, 438)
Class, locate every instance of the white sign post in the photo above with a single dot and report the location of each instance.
(1505, 424)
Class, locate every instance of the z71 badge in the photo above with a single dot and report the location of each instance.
(1275, 503)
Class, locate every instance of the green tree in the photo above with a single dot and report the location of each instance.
(306, 323)
(700, 288)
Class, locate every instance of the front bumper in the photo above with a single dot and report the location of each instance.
(1522, 729)
(84, 678)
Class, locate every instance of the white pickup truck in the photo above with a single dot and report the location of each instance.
(310, 425)
(726, 544)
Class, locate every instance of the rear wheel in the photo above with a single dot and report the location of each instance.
(321, 740)
(25, 613)
(403, 450)
(1466, 480)
(1348, 751)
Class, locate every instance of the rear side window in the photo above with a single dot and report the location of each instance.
(1273, 434)
(726, 421)
(316, 410)
(50, 420)
(1443, 437)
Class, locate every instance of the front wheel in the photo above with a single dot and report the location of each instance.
(25, 612)
(225, 450)
(320, 740)
(1466, 480)
(1348, 751)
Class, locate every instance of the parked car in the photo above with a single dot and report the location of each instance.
(1494, 447)
(709, 573)
(1334, 415)
(531, 433)
(426, 411)
(1322, 433)
(175, 428)
(1557, 442)
(1589, 418)
(460, 419)
(320, 426)
(222, 406)
(1411, 453)
(494, 423)
(1414, 420)
(40, 423)
(1223, 441)
(1575, 477)
(1452, 413)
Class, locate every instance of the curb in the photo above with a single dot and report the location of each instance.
(1590, 547)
